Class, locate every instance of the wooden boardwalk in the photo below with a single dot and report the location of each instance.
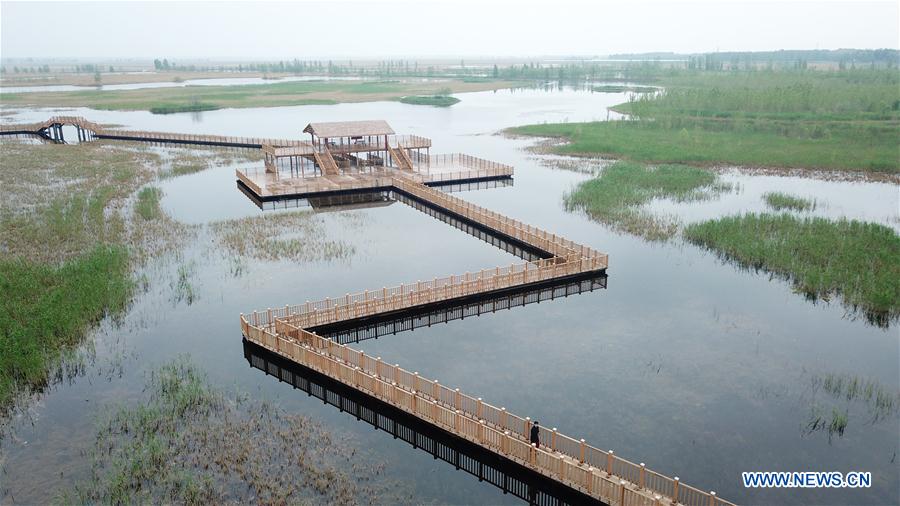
(598, 473)
(286, 331)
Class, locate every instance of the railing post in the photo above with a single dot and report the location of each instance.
(527, 425)
(622, 492)
(590, 478)
(436, 390)
(609, 462)
(532, 454)
(457, 420)
(481, 431)
(479, 408)
(416, 381)
(712, 498)
(553, 440)
(457, 401)
(581, 458)
(675, 490)
(503, 418)
(504, 442)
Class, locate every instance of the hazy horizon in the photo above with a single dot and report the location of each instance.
(435, 29)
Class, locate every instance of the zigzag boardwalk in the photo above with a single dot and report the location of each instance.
(598, 473)
(363, 148)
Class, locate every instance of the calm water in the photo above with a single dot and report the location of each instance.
(691, 365)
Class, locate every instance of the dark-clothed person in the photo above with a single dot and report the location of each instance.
(536, 434)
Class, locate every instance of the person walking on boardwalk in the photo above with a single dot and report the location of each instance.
(536, 434)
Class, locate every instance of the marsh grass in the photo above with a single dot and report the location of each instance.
(189, 442)
(834, 423)
(299, 236)
(616, 197)
(779, 201)
(623, 88)
(433, 100)
(880, 401)
(822, 257)
(171, 108)
(183, 287)
(147, 206)
(821, 120)
(69, 245)
(44, 310)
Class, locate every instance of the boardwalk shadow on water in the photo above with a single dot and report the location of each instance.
(503, 473)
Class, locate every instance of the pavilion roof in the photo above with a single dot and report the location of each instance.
(349, 128)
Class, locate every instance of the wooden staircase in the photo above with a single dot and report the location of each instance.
(401, 158)
(326, 162)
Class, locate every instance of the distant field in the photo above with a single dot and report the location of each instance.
(806, 119)
(236, 96)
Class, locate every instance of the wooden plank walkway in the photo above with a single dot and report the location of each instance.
(598, 473)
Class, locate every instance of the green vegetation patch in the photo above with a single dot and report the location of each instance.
(782, 201)
(861, 261)
(803, 119)
(654, 143)
(173, 108)
(45, 309)
(623, 88)
(615, 197)
(434, 100)
(147, 205)
(189, 442)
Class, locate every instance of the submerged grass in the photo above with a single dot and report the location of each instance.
(861, 261)
(881, 402)
(782, 201)
(147, 206)
(299, 236)
(191, 443)
(616, 196)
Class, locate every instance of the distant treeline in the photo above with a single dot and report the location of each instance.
(617, 67)
(784, 58)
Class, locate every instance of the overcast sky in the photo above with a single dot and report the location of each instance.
(436, 28)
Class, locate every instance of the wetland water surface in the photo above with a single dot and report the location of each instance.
(691, 365)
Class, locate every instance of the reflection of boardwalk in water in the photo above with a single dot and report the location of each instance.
(503, 473)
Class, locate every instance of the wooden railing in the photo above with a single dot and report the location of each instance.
(435, 177)
(599, 473)
(409, 141)
(249, 182)
(370, 302)
(461, 160)
(534, 236)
